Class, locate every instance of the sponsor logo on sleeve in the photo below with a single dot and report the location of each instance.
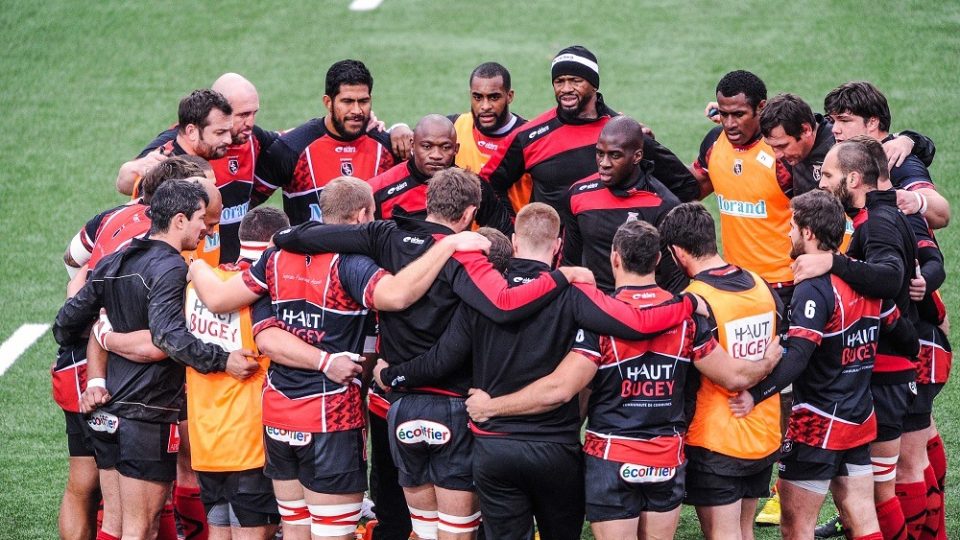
(423, 431)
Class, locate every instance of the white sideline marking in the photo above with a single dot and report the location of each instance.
(18, 343)
(365, 5)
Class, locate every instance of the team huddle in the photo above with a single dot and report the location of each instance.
(476, 291)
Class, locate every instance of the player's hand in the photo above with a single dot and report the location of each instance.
(578, 274)
(478, 405)
(101, 328)
(909, 202)
(375, 124)
(468, 241)
(93, 398)
(647, 131)
(897, 150)
(918, 286)
(341, 367)
(712, 111)
(377, 369)
(241, 364)
(741, 404)
(195, 267)
(401, 139)
(811, 265)
(150, 161)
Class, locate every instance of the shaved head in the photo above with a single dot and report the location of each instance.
(434, 144)
(244, 100)
(625, 129)
(212, 217)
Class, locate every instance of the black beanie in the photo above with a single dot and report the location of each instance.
(576, 61)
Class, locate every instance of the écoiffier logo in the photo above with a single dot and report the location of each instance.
(643, 474)
(293, 438)
(417, 431)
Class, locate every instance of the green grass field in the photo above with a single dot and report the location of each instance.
(85, 84)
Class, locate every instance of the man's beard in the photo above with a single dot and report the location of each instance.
(502, 119)
(210, 152)
(796, 250)
(239, 138)
(844, 195)
(342, 129)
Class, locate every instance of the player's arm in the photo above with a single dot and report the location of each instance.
(79, 311)
(451, 351)
(135, 346)
(505, 168)
(699, 167)
(881, 273)
(152, 154)
(78, 280)
(95, 395)
(368, 239)
(273, 170)
(917, 193)
(218, 295)
(671, 171)
(77, 254)
(735, 374)
(545, 394)
(932, 270)
(608, 316)
(909, 143)
(899, 330)
(400, 291)
(811, 307)
(493, 212)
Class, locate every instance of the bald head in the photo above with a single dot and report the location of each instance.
(619, 151)
(244, 100)
(434, 144)
(212, 216)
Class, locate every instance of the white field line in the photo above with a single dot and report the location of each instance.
(365, 5)
(18, 343)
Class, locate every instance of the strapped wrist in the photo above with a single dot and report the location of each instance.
(97, 382)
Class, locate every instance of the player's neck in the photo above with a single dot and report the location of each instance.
(184, 143)
(629, 279)
(695, 266)
(170, 238)
(546, 257)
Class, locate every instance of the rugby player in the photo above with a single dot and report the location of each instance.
(832, 346)
(879, 263)
(234, 169)
(623, 190)
(487, 127)
(146, 397)
(730, 459)
(557, 148)
(402, 190)
(303, 160)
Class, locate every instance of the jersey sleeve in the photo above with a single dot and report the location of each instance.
(899, 330)
(370, 239)
(671, 171)
(605, 315)
(359, 276)
(274, 170)
(881, 273)
(705, 147)
(505, 167)
(255, 277)
(703, 341)
(451, 351)
(911, 175)
(589, 344)
(928, 254)
(78, 312)
(923, 147)
(263, 315)
(163, 138)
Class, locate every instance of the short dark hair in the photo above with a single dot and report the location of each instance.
(260, 224)
(195, 108)
(491, 70)
(176, 167)
(876, 151)
(501, 250)
(743, 82)
(175, 197)
(789, 112)
(638, 244)
(855, 155)
(859, 98)
(349, 72)
(690, 227)
(823, 215)
(451, 191)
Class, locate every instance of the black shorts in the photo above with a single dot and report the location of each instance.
(79, 438)
(918, 417)
(431, 442)
(522, 480)
(618, 490)
(333, 463)
(141, 450)
(710, 489)
(891, 403)
(802, 462)
(238, 499)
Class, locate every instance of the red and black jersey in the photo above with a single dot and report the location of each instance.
(558, 151)
(637, 408)
(402, 191)
(235, 180)
(595, 212)
(507, 358)
(69, 376)
(467, 277)
(912, 173)
(117, 229)
(880, 262)
(833, 407)
(322, 299)
(305, 159)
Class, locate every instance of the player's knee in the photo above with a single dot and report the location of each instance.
(424, 523)
(294, 512)
(334, 519)
(884, 468)
(458, 524)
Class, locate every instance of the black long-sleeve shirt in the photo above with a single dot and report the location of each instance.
(142, 288)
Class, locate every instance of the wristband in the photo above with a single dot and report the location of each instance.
(922, 200)
(324, 364)
(97, 382)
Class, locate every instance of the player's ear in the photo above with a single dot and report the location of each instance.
(510, 96)
(328, 103)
